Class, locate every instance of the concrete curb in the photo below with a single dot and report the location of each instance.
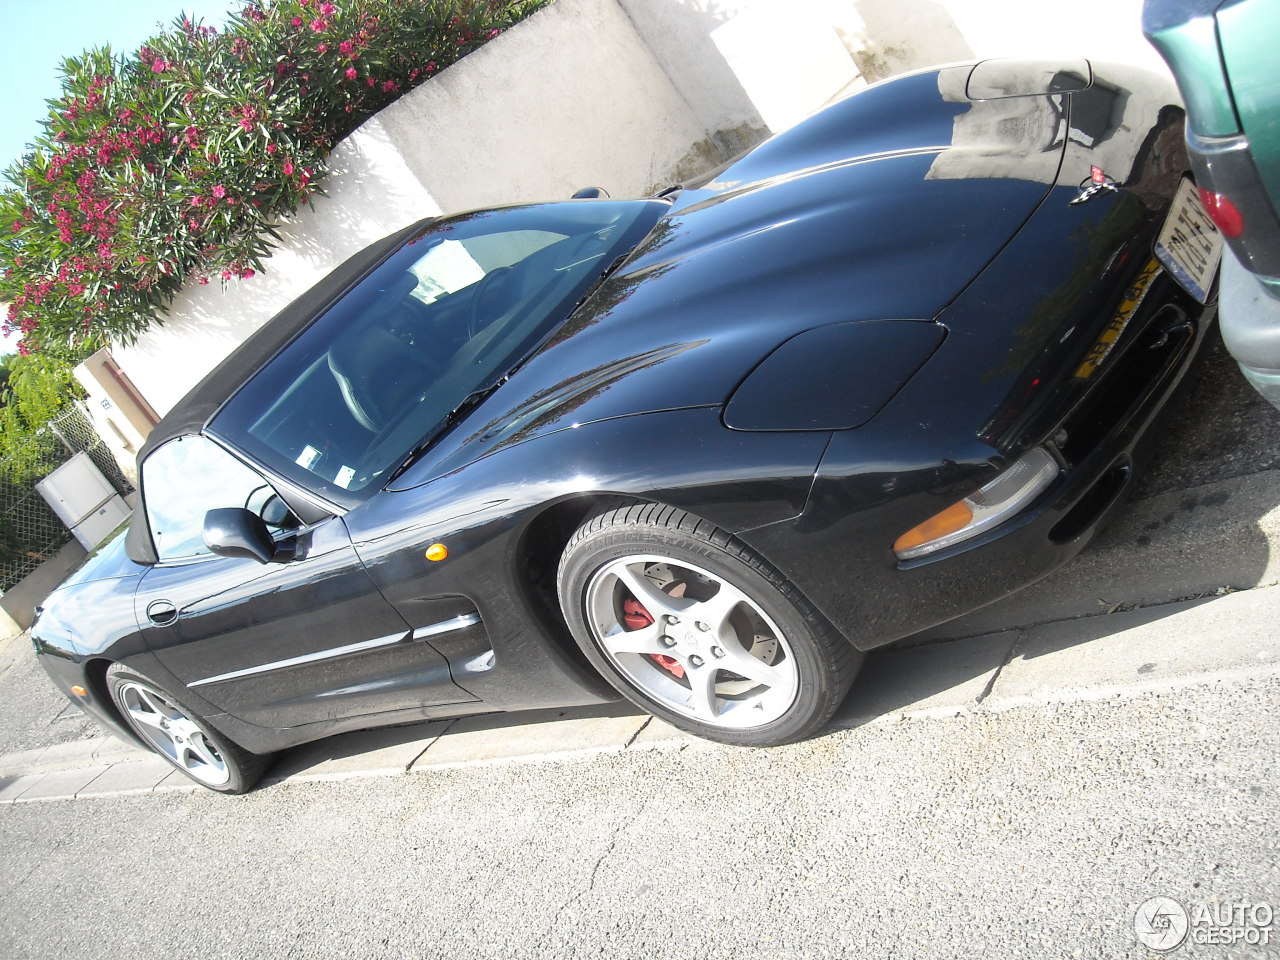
(1228, 638)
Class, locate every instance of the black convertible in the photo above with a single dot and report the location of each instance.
(704, 449)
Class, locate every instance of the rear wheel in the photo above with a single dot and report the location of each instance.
(692, 625)
(180, 736)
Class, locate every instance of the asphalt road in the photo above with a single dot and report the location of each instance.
(1032, 832)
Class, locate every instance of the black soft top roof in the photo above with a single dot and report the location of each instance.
(190, 415)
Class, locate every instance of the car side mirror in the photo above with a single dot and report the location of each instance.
(237, 532)
(590, 193)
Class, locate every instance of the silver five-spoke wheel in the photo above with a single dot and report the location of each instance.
(690, 624)
(692, 641)
(173, 734)
(181, 735)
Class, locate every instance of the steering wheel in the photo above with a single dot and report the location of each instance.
(480, 315)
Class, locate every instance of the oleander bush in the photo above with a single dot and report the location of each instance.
(179, 161)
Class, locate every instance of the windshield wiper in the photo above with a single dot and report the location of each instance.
(599, 281)
(476, 397)
(470, 401)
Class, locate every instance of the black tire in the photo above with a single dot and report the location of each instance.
(181, 736)
(716, 604)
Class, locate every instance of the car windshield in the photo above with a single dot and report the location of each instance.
(441, 321)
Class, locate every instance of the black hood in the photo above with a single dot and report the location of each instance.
(822, 224)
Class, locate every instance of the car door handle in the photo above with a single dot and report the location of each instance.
(161, 612)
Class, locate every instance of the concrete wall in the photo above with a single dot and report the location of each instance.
(907, 34)
(746, 67)
(628, 95)
(19, 602)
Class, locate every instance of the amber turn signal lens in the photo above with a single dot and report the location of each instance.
(79, 691)
(437, 551)
(955, 517)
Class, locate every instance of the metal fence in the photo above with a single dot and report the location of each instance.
(30, 532)
(77, 433)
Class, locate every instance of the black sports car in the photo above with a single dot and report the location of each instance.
(704, 449)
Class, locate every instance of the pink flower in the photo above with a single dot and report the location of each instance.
(204, 281)
(318, 25)
(248, 272)
(219, 191)
(159, 66)
(296, 21)
(390, 86)
(346, 48)
(246, 124)
(322, 48)
(271, 148)
(288, 168)
(327, 9)
(351, 73)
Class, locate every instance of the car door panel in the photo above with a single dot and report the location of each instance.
(283, 644)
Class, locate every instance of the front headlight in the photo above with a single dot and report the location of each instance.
(1000, 499)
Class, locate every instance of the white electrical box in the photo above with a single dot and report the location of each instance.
(84, 500)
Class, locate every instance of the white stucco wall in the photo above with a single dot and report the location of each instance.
(750, 65)
(907, 34)
(567, 99)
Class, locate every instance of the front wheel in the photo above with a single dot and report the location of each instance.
(693, 626)
(181, 736)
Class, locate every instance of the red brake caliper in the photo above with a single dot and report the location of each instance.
(636, 617)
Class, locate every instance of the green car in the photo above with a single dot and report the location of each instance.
(1224, 56)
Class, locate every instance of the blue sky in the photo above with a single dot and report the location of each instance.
(40, 33)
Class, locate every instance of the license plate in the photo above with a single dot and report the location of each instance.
(1189, 245)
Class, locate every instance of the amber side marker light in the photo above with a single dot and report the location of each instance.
(79, 691)
(1004, 496)
(437, 551)
(955, 517)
